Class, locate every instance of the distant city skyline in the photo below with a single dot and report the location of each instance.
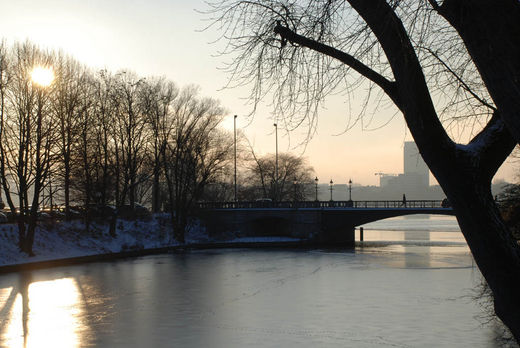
(164, 38)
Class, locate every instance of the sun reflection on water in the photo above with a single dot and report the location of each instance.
(43, 314)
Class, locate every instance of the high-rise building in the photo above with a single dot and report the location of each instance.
(414, 182)
(414, 165)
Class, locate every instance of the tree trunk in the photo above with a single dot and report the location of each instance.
(31, 230)
(32, 217)
(112, 226)
(464, 172)
(495, 251)
(21, 231)
(179, 225)
(67, 190)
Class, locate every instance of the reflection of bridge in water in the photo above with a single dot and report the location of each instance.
(331, 222)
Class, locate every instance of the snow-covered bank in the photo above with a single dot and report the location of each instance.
(59, 240)
(64, 240)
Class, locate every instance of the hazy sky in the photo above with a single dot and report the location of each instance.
(163, 38)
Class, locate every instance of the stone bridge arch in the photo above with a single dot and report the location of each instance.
(322, 225)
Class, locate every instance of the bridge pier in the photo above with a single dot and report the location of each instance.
(335, 230)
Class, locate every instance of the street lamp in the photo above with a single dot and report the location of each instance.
(235, 145)
(276, 164)
(350, 189)
(316, 182)
(331, 183)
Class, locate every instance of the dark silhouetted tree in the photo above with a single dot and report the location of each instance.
(195, 152)
(299, 52)
(68, 105)
(28, 136)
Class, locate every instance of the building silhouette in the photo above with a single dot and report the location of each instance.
(415, 169)
(414, 182)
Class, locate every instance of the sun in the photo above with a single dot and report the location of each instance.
(42, 76)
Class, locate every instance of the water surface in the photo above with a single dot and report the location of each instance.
(410, 284)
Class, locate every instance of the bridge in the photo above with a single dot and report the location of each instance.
(325, 222)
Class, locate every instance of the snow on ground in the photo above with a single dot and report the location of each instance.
(59, 240)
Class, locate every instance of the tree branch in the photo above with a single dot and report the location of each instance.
(490, 31)
(387, 85)
(418, 107)
(435, 5)
(458, 78)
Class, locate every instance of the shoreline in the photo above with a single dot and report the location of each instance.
(69, 261)
(65, 243)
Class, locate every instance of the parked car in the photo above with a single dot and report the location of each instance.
(264, 202)
(42, 215)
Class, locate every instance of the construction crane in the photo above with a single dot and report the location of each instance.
(385, 174)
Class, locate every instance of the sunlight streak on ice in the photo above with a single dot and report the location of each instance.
(46, 314)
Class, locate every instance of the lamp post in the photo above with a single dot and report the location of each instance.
(295, 183)
(331, 183)
(316, 182)
(350, 189)
(50, 194)
(235, 148)
(276, 164)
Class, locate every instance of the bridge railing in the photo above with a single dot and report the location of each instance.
(411, 204)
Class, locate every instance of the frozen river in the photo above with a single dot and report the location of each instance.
(411, 284)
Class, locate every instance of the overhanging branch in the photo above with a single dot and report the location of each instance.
(388, 86)
(413, 92)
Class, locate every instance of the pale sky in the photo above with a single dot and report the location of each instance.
(163, 38)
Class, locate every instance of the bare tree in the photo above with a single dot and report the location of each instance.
(87, 153)
(303, 51)
(102, 143)
(102, 139)
(4, 78)
(69, 101)
(130, 134)
(157, 99)
(294, 177)
(193, 155)
(28, 138)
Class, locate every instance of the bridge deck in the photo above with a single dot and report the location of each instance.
(323, 221)
(412, 204)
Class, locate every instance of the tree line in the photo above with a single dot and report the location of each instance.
(92, 139)
(97, 138)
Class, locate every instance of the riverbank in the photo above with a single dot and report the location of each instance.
(65, 243)
(69, 239)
